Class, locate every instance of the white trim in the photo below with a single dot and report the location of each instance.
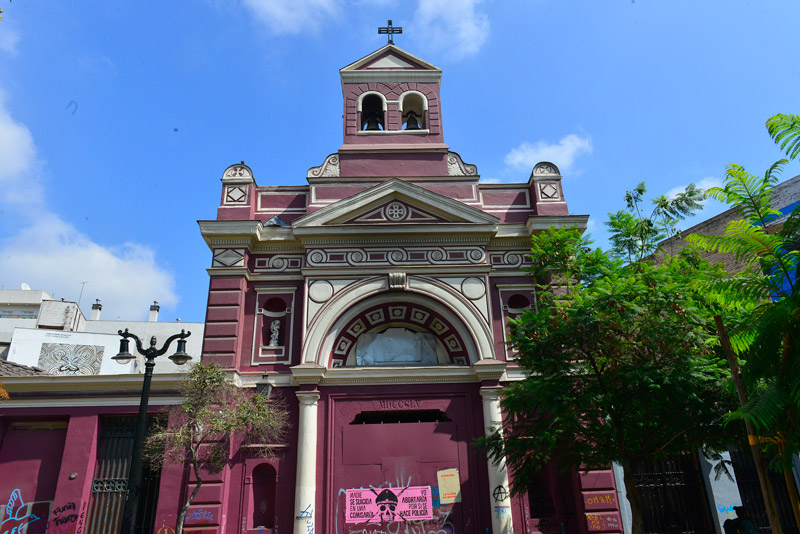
(392, 132)
(399, 75)
(365, 94)
(286, 355)
(98, 401)
(347, 303)
(388, 48)
(543, 222)
(393, 189)
(424, 100)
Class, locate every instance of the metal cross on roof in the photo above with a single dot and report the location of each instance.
(390, 31)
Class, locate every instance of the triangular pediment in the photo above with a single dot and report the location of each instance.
(396, 203)
(390, 57)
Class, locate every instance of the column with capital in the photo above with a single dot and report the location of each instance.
(498, 474)
(306, 484)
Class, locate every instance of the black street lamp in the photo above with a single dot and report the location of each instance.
(135, 474)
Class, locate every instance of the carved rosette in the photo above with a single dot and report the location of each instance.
(514, 259)
(279, 263)
(457, 167)
(401, 256)
(328, 169)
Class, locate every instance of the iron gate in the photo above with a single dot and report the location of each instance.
(750, 492)
(673, 496)
(114, 451)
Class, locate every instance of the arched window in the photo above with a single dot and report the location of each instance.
(264, 488)
(518, 303)
(413, 107)
(372, 107)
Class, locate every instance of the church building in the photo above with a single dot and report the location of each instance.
(375, 300)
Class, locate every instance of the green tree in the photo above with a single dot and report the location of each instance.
(767, 245)
(215, 416)
(621, 357)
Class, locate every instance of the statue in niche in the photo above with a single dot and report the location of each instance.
(396, 346)
(274, 329)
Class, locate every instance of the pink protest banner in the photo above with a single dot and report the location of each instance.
(378, 505)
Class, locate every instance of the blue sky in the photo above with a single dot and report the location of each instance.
(117, 118)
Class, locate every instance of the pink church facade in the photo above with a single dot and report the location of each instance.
(376, 299)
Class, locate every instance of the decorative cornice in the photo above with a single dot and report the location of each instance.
(308, 373)
(543, 222)
(489, 369)
(436, 270)
(117, 383)
(356, 376)
(401, 239)
(328, 219)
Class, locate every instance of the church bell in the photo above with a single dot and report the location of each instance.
(372, 122)
(411, 121)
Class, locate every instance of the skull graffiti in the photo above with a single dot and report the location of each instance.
(387, 503)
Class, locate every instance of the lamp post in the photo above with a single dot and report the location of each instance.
(135, 474)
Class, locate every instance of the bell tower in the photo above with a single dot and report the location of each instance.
(392, 109)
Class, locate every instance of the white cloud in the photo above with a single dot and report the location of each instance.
(705, 183)
(50, 254)
(563, 154)
(711, 207)
(9, 38)
(456, 27)
(295, 16)
(17, 153)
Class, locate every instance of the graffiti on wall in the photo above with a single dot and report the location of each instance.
(17, 515)
(440, 522)
(71, 360)
(400, 504)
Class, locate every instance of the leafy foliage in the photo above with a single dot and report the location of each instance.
(767, 340)
(785, 131)
(215, 415)
(622, 359)
(634, 236)
(3, 393)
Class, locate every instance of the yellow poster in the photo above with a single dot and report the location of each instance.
(449, 486)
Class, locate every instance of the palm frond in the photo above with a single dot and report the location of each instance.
(785, 131)
(765, 408)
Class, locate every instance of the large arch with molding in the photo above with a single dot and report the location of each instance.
(456, 310)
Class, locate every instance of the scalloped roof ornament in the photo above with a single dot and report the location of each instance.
(545, 168)
(238, 172)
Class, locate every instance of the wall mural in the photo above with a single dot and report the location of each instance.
(70, 360)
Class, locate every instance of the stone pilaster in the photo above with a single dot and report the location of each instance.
(305, 492)
(498, 474)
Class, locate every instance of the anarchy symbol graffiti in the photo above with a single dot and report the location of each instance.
(500, 494)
